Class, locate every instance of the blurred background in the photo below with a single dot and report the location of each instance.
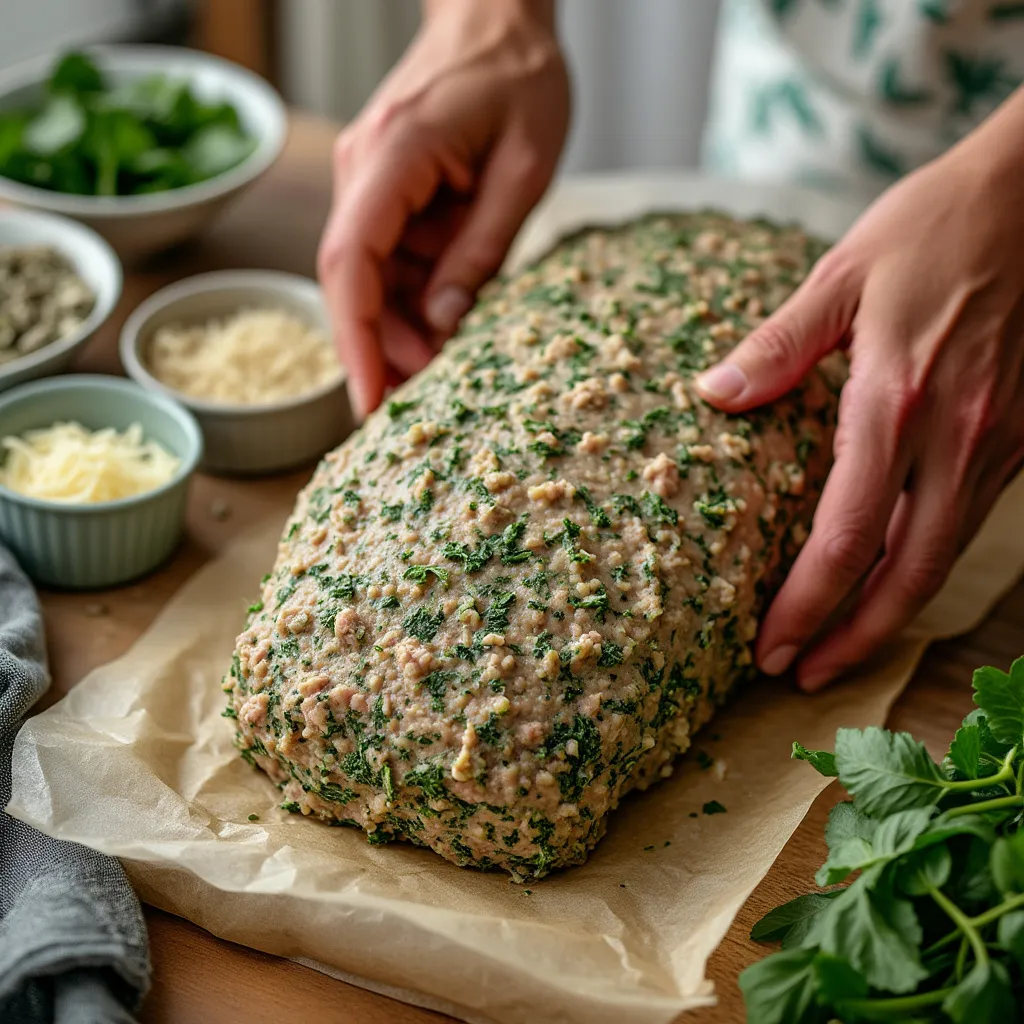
(640, 67)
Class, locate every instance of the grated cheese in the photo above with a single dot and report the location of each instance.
(255, 356)
(69, 464)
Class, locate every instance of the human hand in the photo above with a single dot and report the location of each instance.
(433, 180)
(927, 292)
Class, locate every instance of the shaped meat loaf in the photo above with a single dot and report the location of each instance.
(518, 590)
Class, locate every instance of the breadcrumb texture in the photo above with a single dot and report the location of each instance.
(515, 594)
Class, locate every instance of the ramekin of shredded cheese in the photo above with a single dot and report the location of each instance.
(94, 478)
(76, 466)
(249, 353)
(250, 358)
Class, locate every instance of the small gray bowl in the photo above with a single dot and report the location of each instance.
(85, 547)
(244, 440)
(94, 262)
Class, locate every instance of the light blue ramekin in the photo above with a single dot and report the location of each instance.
(85, 547)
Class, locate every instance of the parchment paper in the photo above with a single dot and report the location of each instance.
(138, 762)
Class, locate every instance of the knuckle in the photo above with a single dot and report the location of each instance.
(977, 416)
(343, 148)
(332, 255)
(775, 345)
(834, 269)
(924, 575)
(891, 395)
(899, 396)
(848, 549)
(531, 167)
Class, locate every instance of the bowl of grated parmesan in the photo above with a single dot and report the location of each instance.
(94, 474)
(249, 353)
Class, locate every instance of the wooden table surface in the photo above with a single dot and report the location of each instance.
(198, 979)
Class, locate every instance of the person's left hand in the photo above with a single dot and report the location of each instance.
(927, 291)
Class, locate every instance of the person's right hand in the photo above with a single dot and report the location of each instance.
(433, 180)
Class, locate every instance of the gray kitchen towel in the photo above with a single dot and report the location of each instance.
(72, 938)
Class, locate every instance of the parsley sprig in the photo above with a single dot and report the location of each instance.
(931, 928)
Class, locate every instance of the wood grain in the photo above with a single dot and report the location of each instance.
(241, 31)
(198, 978)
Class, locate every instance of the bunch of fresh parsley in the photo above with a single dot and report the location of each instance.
(90, 138)
(932, 926)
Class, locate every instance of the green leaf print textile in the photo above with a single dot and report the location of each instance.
(849, 95)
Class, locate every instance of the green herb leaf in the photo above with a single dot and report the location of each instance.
(1011, 934)
(1007, 863)
(965, 751)
(876, 934)
(983, 996)
(419, 573)
(837, 980)
(781, 989)
(60, 124)
(216, 149)
(76, 74)
(1000, 695)
(887, 772)
(932, 927)
(823, 761)
(928, 869)
(791, 922)
(423, 624)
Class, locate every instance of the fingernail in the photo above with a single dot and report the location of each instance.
(774, 663)
(722, 382)
(814, 682)
(447, 306)
(357, 399)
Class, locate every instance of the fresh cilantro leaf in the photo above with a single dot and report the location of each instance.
(983, 996)
(965, 751)
(891, 837)
(837, 980)
(944, 827)
(76, 74)
(1011, 934)
(1007, 863)
(846, 821)
(932, 927)
(791, 922)
(876, 934)
(1000, 695)
(823, 761)
(781, 989)
(887, 772)
(926, 870)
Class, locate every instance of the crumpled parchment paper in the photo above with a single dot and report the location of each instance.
(138, 762)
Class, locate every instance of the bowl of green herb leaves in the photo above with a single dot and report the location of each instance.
(145, 144)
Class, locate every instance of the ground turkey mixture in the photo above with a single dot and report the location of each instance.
(518, 590)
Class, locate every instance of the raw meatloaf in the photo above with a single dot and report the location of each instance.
(516, 592)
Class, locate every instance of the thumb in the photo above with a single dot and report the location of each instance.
(513, 181)
(778, 354)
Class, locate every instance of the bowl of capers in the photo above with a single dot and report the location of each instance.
(59, 282)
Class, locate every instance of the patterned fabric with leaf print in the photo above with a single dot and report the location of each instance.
(849, 95)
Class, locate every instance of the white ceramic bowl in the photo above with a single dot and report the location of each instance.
(137, 226)
(95, 263)
(245, 440)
